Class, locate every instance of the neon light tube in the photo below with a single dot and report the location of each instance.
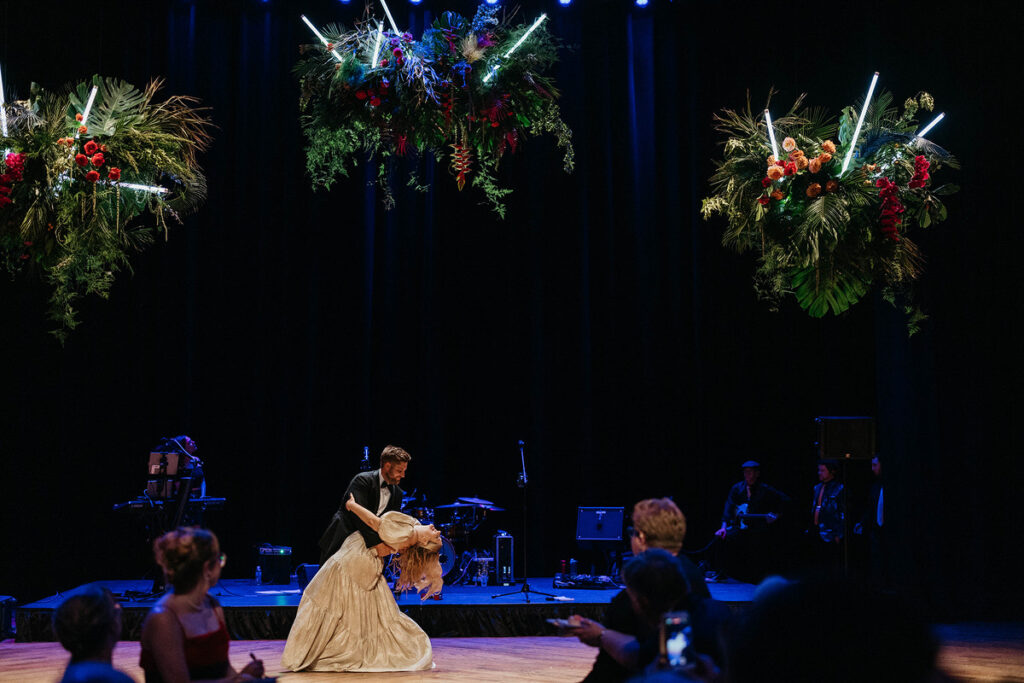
(771, 134)
(319, 35)
(860, 122)
(376, 47)
(930, 125)
(88, 109)
(394, 26)
(519, 42)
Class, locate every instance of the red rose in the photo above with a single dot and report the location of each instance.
(97, 159)
(92, 176)
(114, 173)
(763, 200)
(374, 101)
(28, 243)
(90, 148)
(790, 168)
(81, 159)
(5, 200)
(495, 124)
(360, 94)
(383, 62)
(397, 52)
(24, 257)
(766, 181)
(5, 189)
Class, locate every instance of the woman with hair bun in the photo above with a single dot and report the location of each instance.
(184, 637)
(348, 620)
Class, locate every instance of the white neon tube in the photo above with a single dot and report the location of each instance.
(3, 106)
(771, 134)
(860, 122)
(88, 109)
(519, 42)
(144, 188)
(930, 125)
(319, 35)
(394, 26)
(376, 47)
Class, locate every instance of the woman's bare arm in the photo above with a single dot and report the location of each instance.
(371, 520)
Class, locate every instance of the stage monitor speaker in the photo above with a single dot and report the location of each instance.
(276, 564)
(599, 524)
(7, 606)
(504, 555)
(304, 573)
(846, 438)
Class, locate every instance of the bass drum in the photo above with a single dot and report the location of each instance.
(446, 555)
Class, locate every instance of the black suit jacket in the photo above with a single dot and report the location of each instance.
(366, 488)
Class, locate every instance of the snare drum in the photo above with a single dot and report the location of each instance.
(424, 514)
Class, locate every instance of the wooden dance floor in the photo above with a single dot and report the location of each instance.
(971, 652)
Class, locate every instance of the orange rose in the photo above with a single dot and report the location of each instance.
(815, 165)
(813, 190)
(789, 144)
(825, 157)
(775, 172)
(831, 186)
(801, 163)
(777, 195)
(771, 160)
(795, 154)
(829, 146)
(871, 167)
(82, 130)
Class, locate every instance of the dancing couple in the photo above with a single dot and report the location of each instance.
(348, 619)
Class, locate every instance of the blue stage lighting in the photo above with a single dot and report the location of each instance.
(564, 3)
(641, 3)
(344, 2)
(415, 2)
(492, 2)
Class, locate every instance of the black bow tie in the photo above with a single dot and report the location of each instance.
(385, 485)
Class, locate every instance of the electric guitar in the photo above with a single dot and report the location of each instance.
(742, 516)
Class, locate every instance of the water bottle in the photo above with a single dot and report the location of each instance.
(572, 566)
(259, 575)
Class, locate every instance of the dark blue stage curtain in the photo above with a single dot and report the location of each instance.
(601, 322)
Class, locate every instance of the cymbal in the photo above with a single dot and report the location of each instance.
(491, 508)
(475, 501)
(454, 505)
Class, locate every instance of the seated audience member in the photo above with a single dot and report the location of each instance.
(655, 584)
(832, 630)
(657, 523)
(88, 625)
(184, 637)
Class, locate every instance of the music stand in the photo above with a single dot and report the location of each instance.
(521, 483)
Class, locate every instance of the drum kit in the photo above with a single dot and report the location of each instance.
(457, 522)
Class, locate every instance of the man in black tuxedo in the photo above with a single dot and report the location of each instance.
(375, 490)
(872, 523)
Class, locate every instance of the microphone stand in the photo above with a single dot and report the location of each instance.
(521, 481)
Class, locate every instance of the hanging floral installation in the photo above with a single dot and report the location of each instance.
(831, 214)
(468, 91)
(89, 175)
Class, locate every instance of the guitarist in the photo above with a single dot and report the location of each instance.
(750, 508)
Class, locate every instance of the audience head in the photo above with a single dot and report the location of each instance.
(88, 624)
(876, 465)
(189, 555)
(655, 582)
(832, 630)
(393, 463)
(658, 523)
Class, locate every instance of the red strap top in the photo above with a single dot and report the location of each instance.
(206, 655)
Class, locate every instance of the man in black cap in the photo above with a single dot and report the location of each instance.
(746, 545)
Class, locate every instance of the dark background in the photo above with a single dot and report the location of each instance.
(602, 322)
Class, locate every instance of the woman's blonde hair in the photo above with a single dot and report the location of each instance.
(183, 553)
(419, 568)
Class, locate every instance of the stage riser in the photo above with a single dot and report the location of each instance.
(273, 623)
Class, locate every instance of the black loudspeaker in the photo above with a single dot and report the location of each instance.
(7, 605)
(504, 557)
(599, 524)
(275, 563)
(305, 573)
(846, 438)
